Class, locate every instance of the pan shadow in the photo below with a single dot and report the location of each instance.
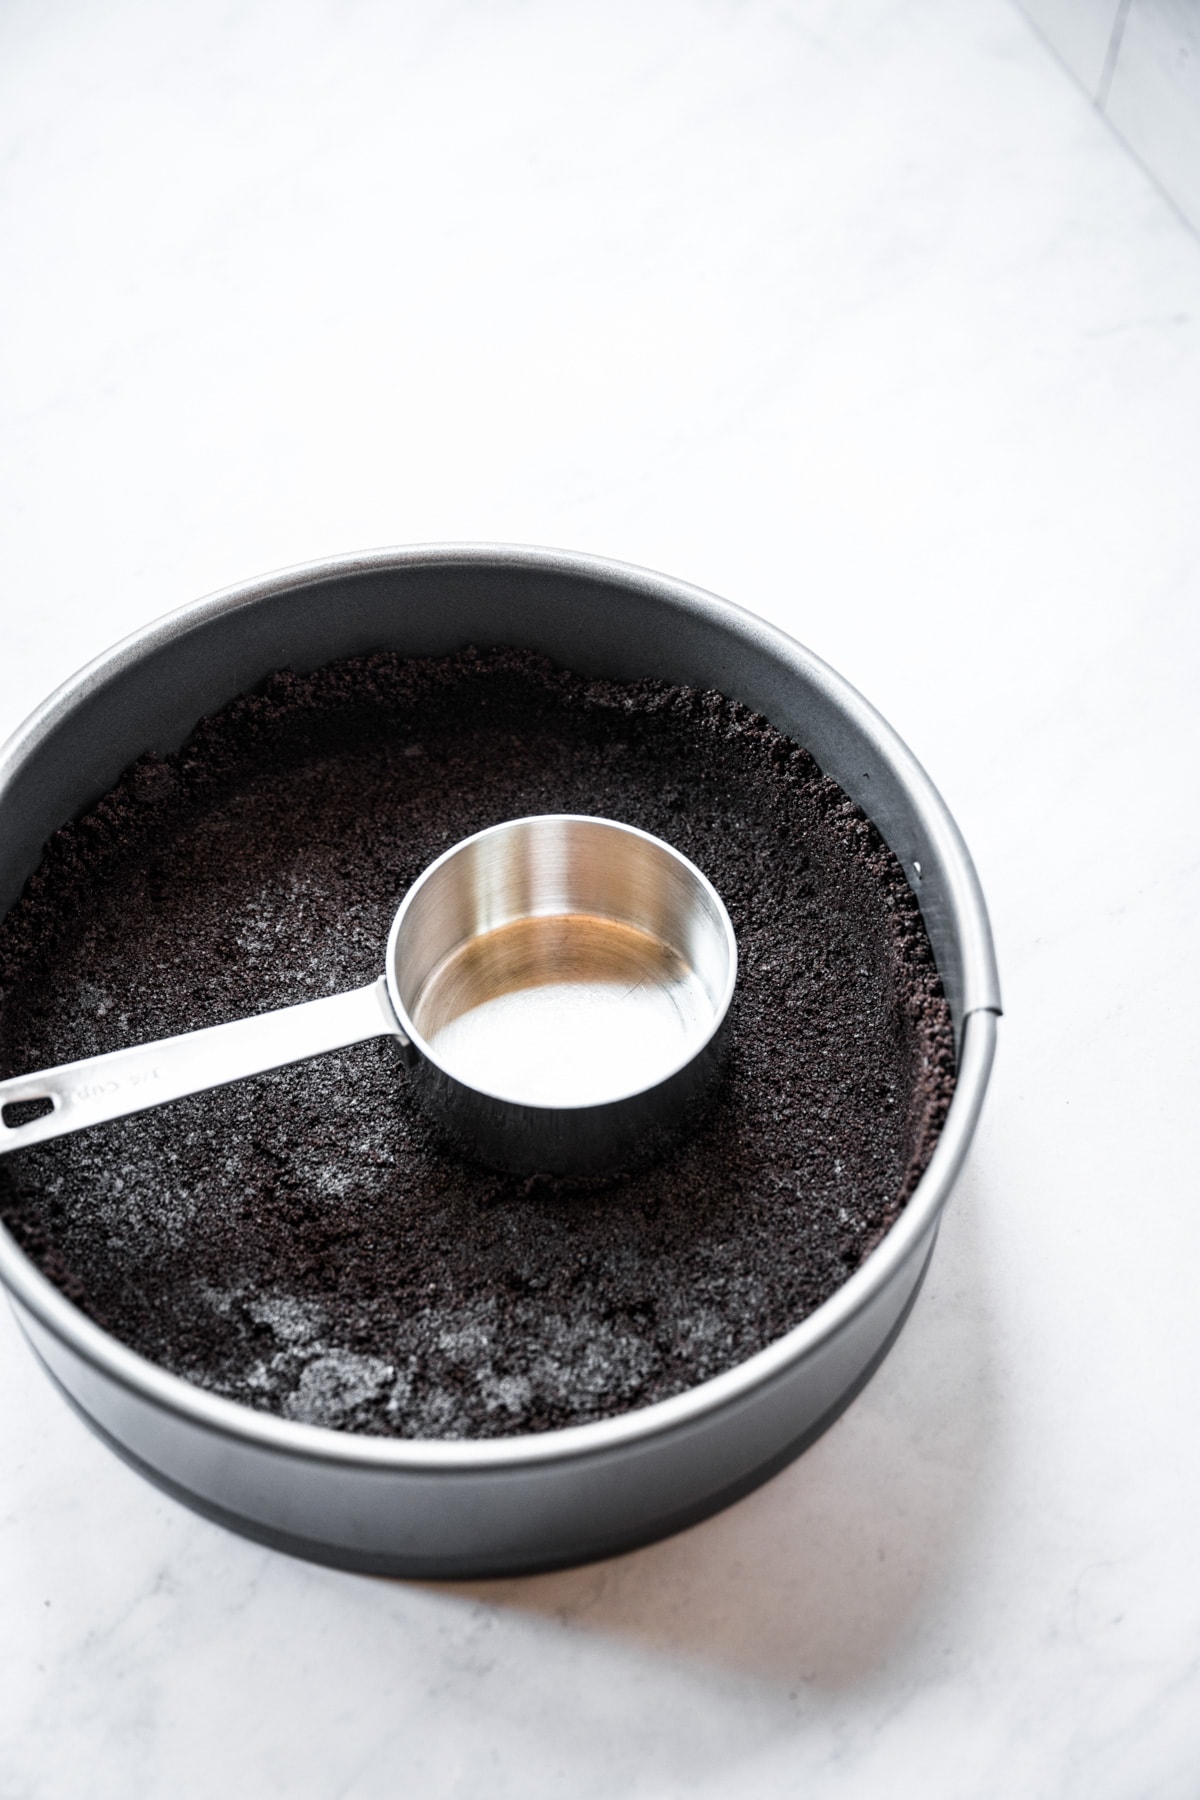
(819, 1576)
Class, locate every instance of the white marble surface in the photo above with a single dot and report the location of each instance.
(860, 316)
(1154, 100)
(1139, 60)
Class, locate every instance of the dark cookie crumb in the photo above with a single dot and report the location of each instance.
(303, 1242)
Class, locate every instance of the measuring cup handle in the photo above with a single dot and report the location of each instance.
(127, 1081)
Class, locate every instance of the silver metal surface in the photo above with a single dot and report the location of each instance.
(558, 982)
(565, 981)
(501, 1505)
(100, 1088)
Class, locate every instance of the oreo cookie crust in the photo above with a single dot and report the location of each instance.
(305, 1243)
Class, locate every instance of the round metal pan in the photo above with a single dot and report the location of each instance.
(434, 1508)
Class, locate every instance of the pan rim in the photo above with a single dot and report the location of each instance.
(171, 1394)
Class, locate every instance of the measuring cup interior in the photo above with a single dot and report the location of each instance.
(561, 961)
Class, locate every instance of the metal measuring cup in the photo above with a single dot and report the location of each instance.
(557, 986)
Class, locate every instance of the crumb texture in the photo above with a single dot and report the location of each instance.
(303, 1242)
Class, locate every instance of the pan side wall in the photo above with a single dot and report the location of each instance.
(487, 1518)
(460, 1522)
